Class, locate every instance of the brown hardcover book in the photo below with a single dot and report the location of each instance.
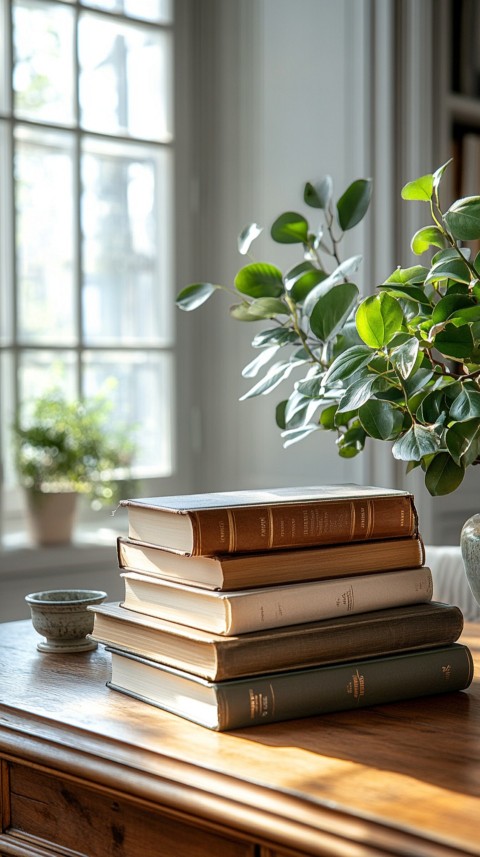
(242, 571)
(248, 521)
(214, 657)
(272, 697)
(245, 610)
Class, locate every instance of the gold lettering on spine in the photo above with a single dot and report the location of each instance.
(352, 521)
(259, 703)
(370, 519)
(232, 531)
(270, 527)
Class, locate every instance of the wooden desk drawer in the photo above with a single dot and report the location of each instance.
(73, 816)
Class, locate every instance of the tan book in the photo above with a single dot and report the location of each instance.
(242, 571)
(272, 519)
(242, 611)
(216, 657)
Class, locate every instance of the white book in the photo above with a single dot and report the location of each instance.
(242, 611)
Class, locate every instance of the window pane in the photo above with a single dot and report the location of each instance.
(45, 234)
(127, 244)
(6, 237)
(7, 416)
(43, 74)
(160, 11)
(142, 398)
(5, 62)
(125, 78)
(40, 371)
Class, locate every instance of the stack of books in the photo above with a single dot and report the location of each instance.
(251, 607)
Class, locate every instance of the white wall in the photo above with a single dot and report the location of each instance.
(291, 104)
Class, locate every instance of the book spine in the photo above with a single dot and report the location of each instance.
(274, 607)
(284, 525)
(329, 642)
(341, 687)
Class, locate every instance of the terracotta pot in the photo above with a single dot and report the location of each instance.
(51, 516)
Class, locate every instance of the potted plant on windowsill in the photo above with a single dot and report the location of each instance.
(402, 365)
(67, 448)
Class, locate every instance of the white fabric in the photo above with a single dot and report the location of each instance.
(449, 580)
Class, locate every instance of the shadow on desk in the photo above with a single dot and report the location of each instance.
(412, 738)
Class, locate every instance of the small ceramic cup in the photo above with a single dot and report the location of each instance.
(61, 616)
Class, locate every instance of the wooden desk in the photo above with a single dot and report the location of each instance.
(87, 771)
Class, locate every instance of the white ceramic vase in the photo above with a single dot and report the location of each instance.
(470, 547)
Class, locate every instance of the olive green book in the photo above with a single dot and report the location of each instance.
(273, 697)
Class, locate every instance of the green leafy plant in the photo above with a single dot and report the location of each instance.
(70, 446)
(414, 379)
(309, 309)
(402, 365)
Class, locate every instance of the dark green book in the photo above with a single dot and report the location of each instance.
(272, 697)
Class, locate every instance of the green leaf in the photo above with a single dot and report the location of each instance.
(346, 268)
(443, 475)
(252, 368)
(378, 319)
(415, 443)
(408, 276)
(405, 357)
(420, 190)
(347, 363)
(327, 417)
(268, 307)
(353, 204)
(242, 312)
(300, 286)
(290, 228)
(463, 218)
(247, 236)
(331, 311)
(351, 442)
(295, 435)
(358, 393)
(428, 236)
(311, 387)
(417, 381)
(275, 375)
(466, 406)
(431, 407)
(460, 439)
(407, 292)
(437, 176)
(194, 295)
(448, 305)
(453, 269)
(280, 414)
(455, 342)
(469, 315)
(274, 336)
(380, 419)
(318, 195)
(259, 280)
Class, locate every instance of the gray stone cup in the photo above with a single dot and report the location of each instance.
(61, 616)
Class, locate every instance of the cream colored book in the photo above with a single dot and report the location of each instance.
(249, 610)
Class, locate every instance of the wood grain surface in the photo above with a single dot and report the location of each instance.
(393, 779)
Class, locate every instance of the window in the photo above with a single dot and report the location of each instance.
(86, 212)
